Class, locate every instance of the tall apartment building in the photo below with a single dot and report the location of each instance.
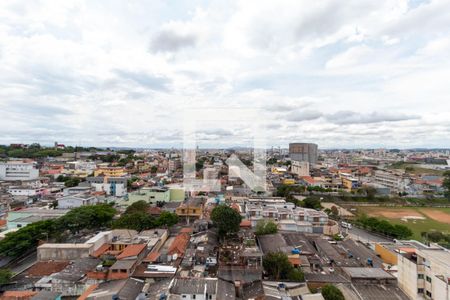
(18, 170)
(424, 273)
(303, 152)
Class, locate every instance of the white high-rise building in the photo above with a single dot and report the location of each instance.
(425, 274)
(18, 170)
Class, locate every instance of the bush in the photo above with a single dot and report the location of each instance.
(266, 227)
(330, 292)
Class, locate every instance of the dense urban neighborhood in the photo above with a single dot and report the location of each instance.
(112, 223)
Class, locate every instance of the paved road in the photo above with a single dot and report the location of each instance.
(365, 236)
(24, 263)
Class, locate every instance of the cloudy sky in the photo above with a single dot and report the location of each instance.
(124, 73)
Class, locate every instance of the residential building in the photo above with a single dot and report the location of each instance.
(76, 201)
(110, 172)
(300, 168)
(194, 288)
(113, 186)
(18, 170)
(424, 273)
(395, 181)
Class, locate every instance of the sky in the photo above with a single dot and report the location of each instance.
(342, 74)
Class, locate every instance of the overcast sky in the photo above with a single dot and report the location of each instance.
(122, 73)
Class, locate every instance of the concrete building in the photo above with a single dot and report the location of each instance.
(289, 218)
(18, 170)
(23, 217)
(113, 186)
(303, 152)
(424, 273)
(63, 251)
(76, 201)
(194, 288)
(394, 181)
(300, 168)
(154, 194)
(25, 191)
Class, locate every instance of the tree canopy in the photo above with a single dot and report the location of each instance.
(330, 292)
(278, 267)
(446, 184)
(226, 219)
(266, 227)
(5, 276)
(85, 217)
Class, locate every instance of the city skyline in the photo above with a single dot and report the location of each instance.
(363, 75)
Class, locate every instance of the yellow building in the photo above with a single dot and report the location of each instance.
(289, 181)
(110, 172)
(387, 253)
(192, 209)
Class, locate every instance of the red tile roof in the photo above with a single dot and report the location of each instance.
(132, 250)
(45, 268)
(99, 252)
(18, 295)
(179, 245)
(308, 179)
(87, 292)
(152, 256)
(186, 230)
(246, 223)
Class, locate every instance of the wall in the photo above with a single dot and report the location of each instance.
(407, 276)
(387, 255)
(63, 253)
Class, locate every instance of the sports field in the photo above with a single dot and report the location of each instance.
(418, 219)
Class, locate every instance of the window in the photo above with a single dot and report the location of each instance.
(428, 279)
(193, 296)
(428, 294)
(420, 291)
(183, 296)
(420, 276)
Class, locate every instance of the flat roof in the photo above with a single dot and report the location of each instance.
(377, 273)
(65, 246)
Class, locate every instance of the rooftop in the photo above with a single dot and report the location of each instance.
(131, 251)
(194, 286)
(375, 273)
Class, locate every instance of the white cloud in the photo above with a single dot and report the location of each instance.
(341, 75)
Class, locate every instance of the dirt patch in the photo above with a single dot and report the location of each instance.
(395, 214)
(437, 215)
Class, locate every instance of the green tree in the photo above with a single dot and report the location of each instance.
(139, 206)
(266, 227)
(154, 169)
(311, 203)
(296, 275)
(5, 276)
(277, 265)
(226, 219)
(446, 184)
(330, 292)
(26, 238)
(87, 217)
(136, 220)
(167, 219)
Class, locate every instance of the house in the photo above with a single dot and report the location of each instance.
(114, 186)
(121, 289)
(62, 252)
(76, 201)
(194, 288)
